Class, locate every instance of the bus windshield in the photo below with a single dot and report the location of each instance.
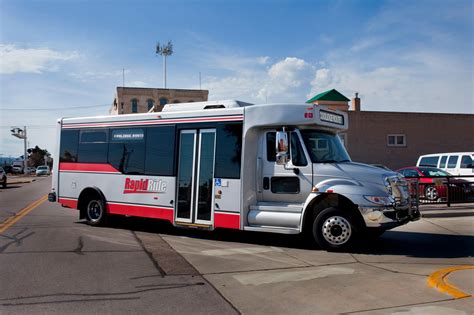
(324, 147)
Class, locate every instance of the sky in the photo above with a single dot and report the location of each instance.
(66, 58)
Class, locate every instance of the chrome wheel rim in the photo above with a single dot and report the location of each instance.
(431, 193)
(94, 211)
(336, 230)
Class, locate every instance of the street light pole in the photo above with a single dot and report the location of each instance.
(21, 134)
(25, 163)
(165, 51)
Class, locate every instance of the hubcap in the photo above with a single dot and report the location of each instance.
(336, 230)
(431, 193)
(94, 211)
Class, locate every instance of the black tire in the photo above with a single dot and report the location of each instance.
(4, 184)
(95, 212)
(334, 229)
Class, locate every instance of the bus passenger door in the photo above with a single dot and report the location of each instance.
(195, 177)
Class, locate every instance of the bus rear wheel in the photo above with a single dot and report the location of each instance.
(95, 212)
(334, 229)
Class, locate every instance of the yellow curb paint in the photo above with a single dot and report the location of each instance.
(12, 220)
(438, 280)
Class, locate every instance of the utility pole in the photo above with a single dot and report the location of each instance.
(165, 51)
(21, 134)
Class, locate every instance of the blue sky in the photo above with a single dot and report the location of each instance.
(65, 58)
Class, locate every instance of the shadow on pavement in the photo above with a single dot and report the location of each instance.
(411, 244)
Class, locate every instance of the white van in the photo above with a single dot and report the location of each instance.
(456, 163)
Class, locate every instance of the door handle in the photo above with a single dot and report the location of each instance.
(266, 183)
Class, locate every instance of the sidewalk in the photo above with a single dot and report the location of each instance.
(21, 179)
(443, 211)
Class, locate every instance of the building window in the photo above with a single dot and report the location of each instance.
(149, 104)
(134, 105)
(396, 141)
(176, 101)
(163, 101)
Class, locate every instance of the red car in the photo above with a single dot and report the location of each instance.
(433, 183)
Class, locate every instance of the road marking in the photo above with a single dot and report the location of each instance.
(276, 276)
(438, 280)
(13, 219)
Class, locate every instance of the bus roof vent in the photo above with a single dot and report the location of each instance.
(213, 106)
(180, 107)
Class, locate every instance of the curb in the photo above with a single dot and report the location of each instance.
(438, 280)
(21, 182)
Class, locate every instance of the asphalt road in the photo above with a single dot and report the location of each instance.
(50, 262)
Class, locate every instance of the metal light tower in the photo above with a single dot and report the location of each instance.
(21, 134)
(165, 51)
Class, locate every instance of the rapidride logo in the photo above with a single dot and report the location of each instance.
(144, 186)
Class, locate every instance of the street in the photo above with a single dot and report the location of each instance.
(51, 262)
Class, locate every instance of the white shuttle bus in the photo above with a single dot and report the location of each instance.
(227, 164)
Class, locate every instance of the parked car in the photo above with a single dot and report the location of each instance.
(456, 163)
(17, 170)
(433, 183)
(3, 177)
(30, 170)
(42, 170)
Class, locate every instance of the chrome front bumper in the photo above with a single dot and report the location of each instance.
(389, 217)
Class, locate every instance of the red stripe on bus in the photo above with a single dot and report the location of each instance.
(141, 211)
(228, 221)
(70, 203)
(87, 167)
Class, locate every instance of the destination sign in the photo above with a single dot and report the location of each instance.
(128, 135)
(331, 117)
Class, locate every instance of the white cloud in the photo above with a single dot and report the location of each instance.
(31, 60)
(287, 80)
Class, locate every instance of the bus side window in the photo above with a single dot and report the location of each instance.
(271, 153)
(68, 146)
(160, 151)
(93, 146)
(297, 154)
(228, 150)
(127, 150)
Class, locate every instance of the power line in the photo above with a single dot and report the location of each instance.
(29, 126)
(53, 108)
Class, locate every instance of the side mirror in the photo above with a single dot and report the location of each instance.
(281, 147)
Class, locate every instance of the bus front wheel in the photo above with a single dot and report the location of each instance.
(333, 229)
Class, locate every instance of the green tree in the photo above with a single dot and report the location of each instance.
(37, 156)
